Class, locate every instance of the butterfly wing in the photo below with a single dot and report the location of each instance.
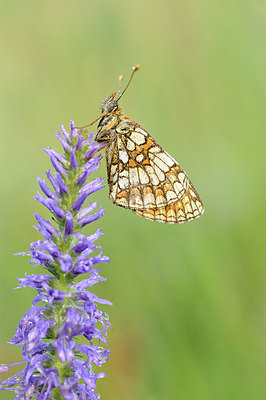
(146, 179)
(186, 209)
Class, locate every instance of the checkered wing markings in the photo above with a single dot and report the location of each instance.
(148, 176)
(143, 177)
(186, 209)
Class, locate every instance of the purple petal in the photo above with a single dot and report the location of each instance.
(73, 129)
(69, 224)
(58, 295)
(99, 258)
(61, 184)
(51, 205)
(89, 248)
(63, 142)
(82, 267)
(65, 262)
(95, 235)
(33, 280)
(85, 192)
(92, 164)
(73, 160)
(64, 349)
(82, 179)
(78, 203)
(43, 231)
(52, 248)
(42, 257)
(52, 153)
(86, 283)
(58, 166)
(86, 295)
(46, 190)
(65, 133)
(46, 224)
(79, 144)
(94, 147)
(53, 181)
(92, 186)
(89, 139)
(83, 244)
(91, 218)
(83, 212)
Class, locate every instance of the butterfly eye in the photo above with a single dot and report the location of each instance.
(112, 106)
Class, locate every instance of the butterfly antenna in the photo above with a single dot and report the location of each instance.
(86, 126)
(120, 78)
(135, 68)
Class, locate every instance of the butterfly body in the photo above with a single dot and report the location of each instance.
(141, 175)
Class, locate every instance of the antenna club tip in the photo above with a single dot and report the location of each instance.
(136, 67)
(120, 77)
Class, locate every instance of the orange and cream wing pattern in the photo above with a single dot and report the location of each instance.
(186, 209)
(142, 175)
(146, 179)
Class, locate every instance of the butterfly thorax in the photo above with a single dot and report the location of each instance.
(113, 124)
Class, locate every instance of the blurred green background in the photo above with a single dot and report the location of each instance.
(189, 314)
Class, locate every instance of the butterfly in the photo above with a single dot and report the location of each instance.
(141, 175)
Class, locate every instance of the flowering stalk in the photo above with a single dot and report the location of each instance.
(58, 364)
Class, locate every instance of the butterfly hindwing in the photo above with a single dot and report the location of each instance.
(145, 178)
(186, 209)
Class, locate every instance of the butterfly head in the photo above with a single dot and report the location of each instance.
(109, 118)
(109, 104)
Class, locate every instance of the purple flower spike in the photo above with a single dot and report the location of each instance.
(64, 310)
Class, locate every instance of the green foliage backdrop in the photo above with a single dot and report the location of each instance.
(189, 301)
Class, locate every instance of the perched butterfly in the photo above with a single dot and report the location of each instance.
(141, 175)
